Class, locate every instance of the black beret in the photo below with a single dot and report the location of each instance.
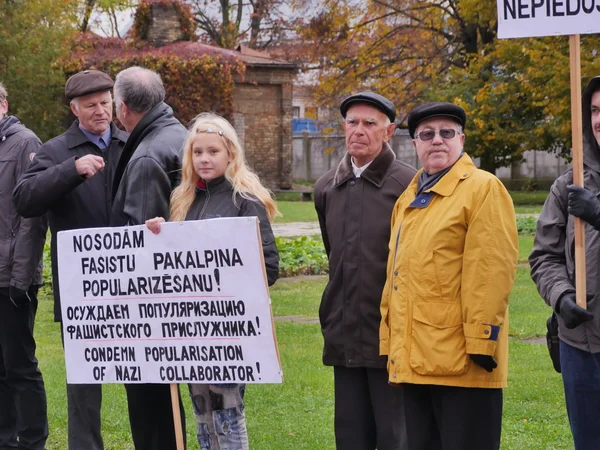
(87, 82)
(370, 98)
(428, 110)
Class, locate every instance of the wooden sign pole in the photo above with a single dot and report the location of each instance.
(577, 139)
(176, 416)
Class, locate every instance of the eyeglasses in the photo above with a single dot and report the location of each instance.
(428, 135)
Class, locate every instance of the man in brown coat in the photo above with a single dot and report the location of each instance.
(354, 203)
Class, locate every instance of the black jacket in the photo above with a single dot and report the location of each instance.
(149, 169)
(21, 240)
(355, 216)
(216, 200)
(52, 185)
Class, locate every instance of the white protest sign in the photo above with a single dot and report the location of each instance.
(190, 304)
(531, 18)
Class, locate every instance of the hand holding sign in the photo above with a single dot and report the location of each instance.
(530, 18)
(189, 304)
(154, 224)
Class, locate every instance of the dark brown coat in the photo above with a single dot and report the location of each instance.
(354, 215)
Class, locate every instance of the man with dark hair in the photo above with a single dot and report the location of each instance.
(451, 267)
(552, 263)
(70, 179)
(147, 173)
(354, 204)
(23, 410)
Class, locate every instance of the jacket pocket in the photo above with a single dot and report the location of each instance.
(438, 346)
(424, 276)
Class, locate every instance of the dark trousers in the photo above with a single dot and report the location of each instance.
(368, 411)
(151, 416)
(23, 411)
(452, 418)
(581, 380)
(84, 404)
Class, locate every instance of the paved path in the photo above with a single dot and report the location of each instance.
(296, 229)
(310, 228)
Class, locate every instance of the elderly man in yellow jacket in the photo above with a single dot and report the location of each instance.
(452, 261)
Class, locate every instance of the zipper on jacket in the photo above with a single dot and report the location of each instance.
(205, 203)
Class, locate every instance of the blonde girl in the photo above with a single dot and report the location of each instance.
(216, 182)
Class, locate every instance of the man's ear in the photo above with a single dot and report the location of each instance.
(74, 109)
(389, 131)
(124, 109)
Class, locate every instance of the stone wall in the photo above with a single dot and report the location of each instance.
(263, 119)
(313, 155)
(165, 27)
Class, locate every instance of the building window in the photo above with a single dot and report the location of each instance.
(296, 112)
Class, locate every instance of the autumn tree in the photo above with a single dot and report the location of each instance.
(105, 12)
(256, 23)
(516, 92)
(33, 35)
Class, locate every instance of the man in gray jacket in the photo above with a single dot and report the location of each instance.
(552, 263)
(148, 171)
(23, 417)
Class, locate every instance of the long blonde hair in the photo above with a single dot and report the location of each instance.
(244, 182)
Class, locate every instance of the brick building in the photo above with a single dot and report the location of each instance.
(262, 96)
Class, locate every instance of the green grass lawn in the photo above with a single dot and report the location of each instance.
(296, 211)
(525, 244)
(528, 209)
(298, 414)
(529, 197)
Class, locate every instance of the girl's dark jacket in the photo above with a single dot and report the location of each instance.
(216, 200)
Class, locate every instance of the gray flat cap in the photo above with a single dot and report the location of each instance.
(370, 98)
(87, 82)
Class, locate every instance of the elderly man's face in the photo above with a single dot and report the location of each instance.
(438, 153)
(596, 115)
(94, 111)
(366, 129)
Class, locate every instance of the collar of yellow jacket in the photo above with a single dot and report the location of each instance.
(463, 168)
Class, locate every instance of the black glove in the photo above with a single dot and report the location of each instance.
(18, 297)
(584, 204)
(486, 362)
(572, 314)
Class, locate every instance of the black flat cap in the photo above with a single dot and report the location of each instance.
(370, 98)
(429, 110)
(87, 82)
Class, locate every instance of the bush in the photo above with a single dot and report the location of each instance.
(526, 225)
(304, 255)
(529, 197)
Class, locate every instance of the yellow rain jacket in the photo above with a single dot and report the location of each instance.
(451, 266)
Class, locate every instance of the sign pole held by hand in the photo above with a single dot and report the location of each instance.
(176, 416)
(528, 18)
(577, 140)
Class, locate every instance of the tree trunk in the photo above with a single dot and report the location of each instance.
(488, 163)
